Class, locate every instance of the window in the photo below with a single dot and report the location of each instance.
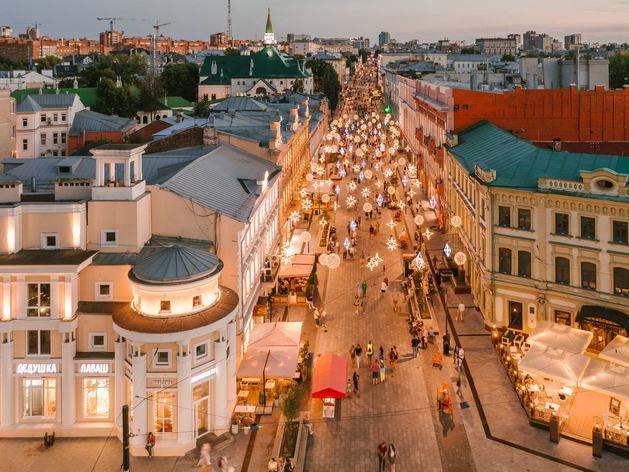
(98, 341)
(515, 315)
(38, 343)
(164, 412)
(109, 237)
(524, 263)
(621, 281)
(588, 275)
(620, 232)
(13, 132)
(604, 184)
(63, 138)
(49, 240)
(504, 216)
(38, 301)
(562, 270)
(24, 122)
(164, 306)
(39, 398)
(42, 139)
(162, 358)
(201, 351)
(563, 318)
(562, 223)
(104, 291)
(96, 397)
(42, 119)
(524, 219)
(197, 301)
(55, 138)
(588, 227)
(55, 118)
(504, 260)
(63, 117)
(25, 145)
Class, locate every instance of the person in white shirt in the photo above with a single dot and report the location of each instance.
(460, 312)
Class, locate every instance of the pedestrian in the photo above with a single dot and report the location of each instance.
(358, 351)
(356, 377)
(352, 355)
(357, 304)
(371, 235)
(446, 344)
(288, 467)
(397, 355)
(150, 444)
(460, 312)
(322, 321)
(415, 345)
(349, 387)
(424, 338)
(395, 295)
(338, 246)
(375, 372)
(431, 335)
(369, 351)
(349, 227)
(363, 304)
(438, 279)
(392, 456)
(362, 259)
(383, 370)
(392, 360)
(377, 231)
(344, 254)
(359, 219)
(272, 465)
(310, 299)
(460, 357)
(384, 286)
(351, 252)
(382, 456)
(381, 354)
(455, 355)
(317, 317)
(205, 459)
(363, 287)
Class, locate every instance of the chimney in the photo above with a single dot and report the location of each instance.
(210, 136)
(305, 104)
(179, 118)
(557, 144)
(33, 184)
(275, 135)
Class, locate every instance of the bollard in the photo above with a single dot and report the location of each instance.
(555, 435)
(597, 441)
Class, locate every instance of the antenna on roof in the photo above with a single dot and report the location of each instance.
(229, 22)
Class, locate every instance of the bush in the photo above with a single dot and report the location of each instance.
(290, 407)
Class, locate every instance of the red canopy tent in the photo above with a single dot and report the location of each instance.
(330, 379)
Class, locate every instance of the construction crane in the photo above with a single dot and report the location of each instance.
(112, 20)
(157, 26)
(36, 25)
(229, 21)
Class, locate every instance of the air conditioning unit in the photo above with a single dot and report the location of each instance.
(49, 121)
(275, 261)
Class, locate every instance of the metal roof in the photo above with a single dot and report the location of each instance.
(176, 263)
(91, 121)
(239, 104)
(37, 102)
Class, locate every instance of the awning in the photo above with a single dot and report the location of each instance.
(329, 380)
(607, 378)
(300, 267)
(617, 351)
(592, 311)
(561, 337)
(559, 365)
(271, 362)
(275, 335)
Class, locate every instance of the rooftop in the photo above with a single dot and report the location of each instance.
(42, 257)
(91, 121)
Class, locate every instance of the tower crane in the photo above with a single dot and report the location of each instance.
(113, 20)
(157, 26)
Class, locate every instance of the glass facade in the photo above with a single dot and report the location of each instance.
(96, 397)
(39, 398)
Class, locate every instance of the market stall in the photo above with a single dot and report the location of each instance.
(294, 281)
(329, 381)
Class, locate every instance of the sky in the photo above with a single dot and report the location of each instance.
(597, 20)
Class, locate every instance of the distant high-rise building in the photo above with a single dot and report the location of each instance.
(384, 38)
(534, 41)
(518, 40)
(572, 39)
(290, 37)
(6, 32)
(218, 39)
(497, 46)
(529, 40)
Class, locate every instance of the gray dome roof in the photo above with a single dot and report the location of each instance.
(175, 264)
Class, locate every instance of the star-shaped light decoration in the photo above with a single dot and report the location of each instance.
(361, 176)
(433, 202)
(428, 234)
(352, 185)
(388, 172)
(342, 173)
(374, 262)
(352, 225)
(365, 192)
(405, 181)
(286, 253)
(306, 204)
(379, 200)
(303, 193)
(329, 182)
(351, 201)
(391, 224)
(338, 164)
(392, 243)
(411, 193)
(322, 158)
(315, 185)
(419, 261)
(294, 216)
(323, 222)
(356, 168)
(346, 244)
(401, 205)
(346, 162)
(407, 148)
(337, 189)
(321, 170)
(379, 184)
(412, 169)
(335, 206)
(447, 250)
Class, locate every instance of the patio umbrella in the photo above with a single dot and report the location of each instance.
(617, 351)
(275, 334)
(561, 337)
(608, 378)
(557, 364)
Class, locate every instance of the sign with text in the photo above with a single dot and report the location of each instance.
(31, 369)
(94, 369)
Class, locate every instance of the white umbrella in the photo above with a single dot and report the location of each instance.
(557, 364)
(617, 351)
(275, 334)
(561, 337)
(607, 378)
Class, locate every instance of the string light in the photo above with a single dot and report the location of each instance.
(447, 250)
(333, 261)
(374, 262)
(323, 259)
(365, 192)
(347, 244)
(419, 261)
(352, 185)
(306, 204)
(380, 200)
(368, 174)
(351, 201)
(392, 243)
(309, 177)
(428, 234)
(294, 216)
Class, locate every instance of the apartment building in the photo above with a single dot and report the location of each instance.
(8, 127)
(499, 46)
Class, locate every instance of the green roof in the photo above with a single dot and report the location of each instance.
(86, 94)
(269, 25)
(267, 64)
(176, 102)
(519, 164)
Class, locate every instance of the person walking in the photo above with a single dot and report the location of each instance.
(310, 299)
(317, 317)
(272, 465)
(352, 355)
(415, 345)
(383, 370)
(357, 304)
(397, 355)
(455, 355)
(460, 312)
(392, 360)
(288, 466)
(322, 321)
(392, 456)
(356, 377)
(369, 350)
(362, 259)
(382, 456)
(363, 287)
(349, 387)
(205, 459)
(358, 351)
(150, 444)
(383, 287)
(381, 354)
(375, 372)
(424, 338)
(460, 357)
(395, 295)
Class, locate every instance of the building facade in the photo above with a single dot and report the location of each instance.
(8, 125)
(500, 46)
(384, 38)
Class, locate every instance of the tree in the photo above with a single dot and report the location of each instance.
(66, 82)
(508, 58)
(151, 92)
(298, 86)
(126, 102)
(201, 108)
(128, 68)
(8, 64)
(181, 80)
(231, 52)
(619, 70)
(47, 63)
(468, 51)
(292, 402)
(377, 53)
(106, 97)
(326, 81)
(363, 54)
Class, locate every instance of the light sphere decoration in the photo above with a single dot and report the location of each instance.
(309, 177)
(355, 117)
(325, 198)
(392, 151)
(378, 154)
(314, 166)
(357, 139)
(391, 190)
(367, 207)
(419, 220)
(305, 236)
(323, 259)
(401, 161)
(368, 174)
(456, 221)
(460, 258)
(333, 261)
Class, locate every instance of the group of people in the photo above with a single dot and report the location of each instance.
(386, 454)
(376, 364)
(284, 465)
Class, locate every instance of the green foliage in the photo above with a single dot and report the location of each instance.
(181, 80)
(112, 100)
(127, 67)
(66, 83)
(508, 58)
(201, 108)
(619, 70)
(363, 54)
(377, 53)
(48, 63)
(326, 81)
(126, 102)
(151, 91)
(292, 402)
(298, 86)
(8, 64)
(468, 51)
(231, 52)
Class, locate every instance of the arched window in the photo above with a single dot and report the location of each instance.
(260, 91)
(157, 117)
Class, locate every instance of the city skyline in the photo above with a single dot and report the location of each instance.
(404, 20)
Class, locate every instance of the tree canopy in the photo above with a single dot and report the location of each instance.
(181, 80)
(112, 100)
(127, 67)
(47, 63)
(326, 81)
(8, 64)
(619, 70)
(231, 52)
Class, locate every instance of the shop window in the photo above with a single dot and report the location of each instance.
(164, 306)
(201, 398)
(504, 260)
(164, 412)
(620, 232)
(104, 291)
(109, 237)
(621, 281)
(515, 315)
(588, 275)
(588, 227)
(524, 263)
(38, 301)
(562, 223)
(98, 341)
(96, 397)
(197, 301)
(38, 343)
(562, 270)
(201, 351)
(39, 398)
(504, 216)
(162, 358)
(563, 317)
(524, 219)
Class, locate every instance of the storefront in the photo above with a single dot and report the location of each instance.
(95, 381)
(39, 391)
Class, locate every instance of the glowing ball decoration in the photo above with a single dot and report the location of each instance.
(392, 151)
(367, 207)
(368, 174)
(456, 221)
(391, 190)
(401, 161)
(306, 236)
(323, 259)
(460, 258)
(309, 177)
(325, 198)
(333, 261)
(419, 220)
(314, 166)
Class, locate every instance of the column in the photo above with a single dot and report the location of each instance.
(127, 173)
(184, 396)
(119, 365)
(140, 403)
(112, 172)
(54, 297)
(100, 169)
(232, 358)
(6, 297)
(6, 388)
(20, 302)
(221, 418)
(68, 392)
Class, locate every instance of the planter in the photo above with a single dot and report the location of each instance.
(234, 429)
(276, 402)
(288, 447)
